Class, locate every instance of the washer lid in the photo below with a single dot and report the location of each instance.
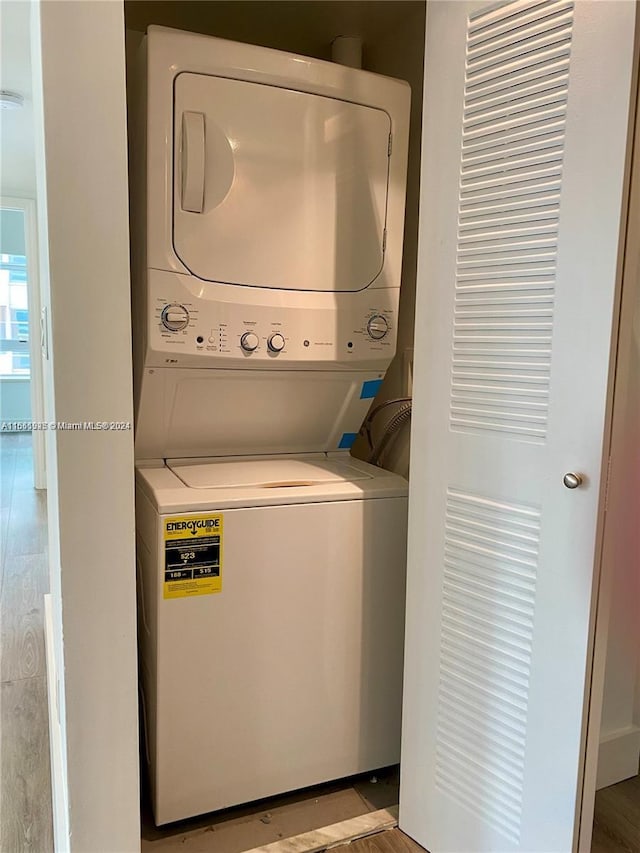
(266, 473)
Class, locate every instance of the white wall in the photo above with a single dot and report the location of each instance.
(82, 187)
(17, 160)
(15, 399)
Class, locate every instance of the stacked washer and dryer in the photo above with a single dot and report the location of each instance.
(267, 221)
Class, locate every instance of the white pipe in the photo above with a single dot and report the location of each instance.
(347, 50)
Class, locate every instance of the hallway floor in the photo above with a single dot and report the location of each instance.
(391, 841)
(25, 788)
(617, 822)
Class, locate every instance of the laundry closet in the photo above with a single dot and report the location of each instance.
(482, 396)
(266, 312)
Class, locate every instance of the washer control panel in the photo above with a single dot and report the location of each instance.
(276, 342)
(174, 317)
(187, 329)
(377, 327)
(249, 341)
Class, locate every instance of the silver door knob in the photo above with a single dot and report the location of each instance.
(571, 480)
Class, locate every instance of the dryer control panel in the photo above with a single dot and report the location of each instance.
(204, 324)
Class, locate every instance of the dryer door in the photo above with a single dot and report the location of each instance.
(277, 188)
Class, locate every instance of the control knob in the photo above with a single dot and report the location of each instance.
(377, 327)
(276, 342)
(174, 317)
(249, 341)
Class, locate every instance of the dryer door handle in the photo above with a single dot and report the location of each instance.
(193, 161)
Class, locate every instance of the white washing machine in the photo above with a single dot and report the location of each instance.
(292, 673)
(268, 206)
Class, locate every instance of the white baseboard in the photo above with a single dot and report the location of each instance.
(56, 749)
(619, 756)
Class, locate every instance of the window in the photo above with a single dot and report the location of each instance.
(14, 316)
(21, 319)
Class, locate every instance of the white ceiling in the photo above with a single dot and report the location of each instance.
(17, 161)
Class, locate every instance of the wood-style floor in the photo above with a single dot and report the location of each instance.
(391, 841)
(617, 820)
(25, 788)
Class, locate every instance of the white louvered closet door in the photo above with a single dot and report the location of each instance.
(525, 133)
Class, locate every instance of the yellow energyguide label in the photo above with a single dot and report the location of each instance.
(192, 555)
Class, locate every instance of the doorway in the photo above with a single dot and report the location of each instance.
(25, 788)
(21, 394)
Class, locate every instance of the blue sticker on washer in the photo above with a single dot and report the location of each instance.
(347, 440)
(370, 389)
